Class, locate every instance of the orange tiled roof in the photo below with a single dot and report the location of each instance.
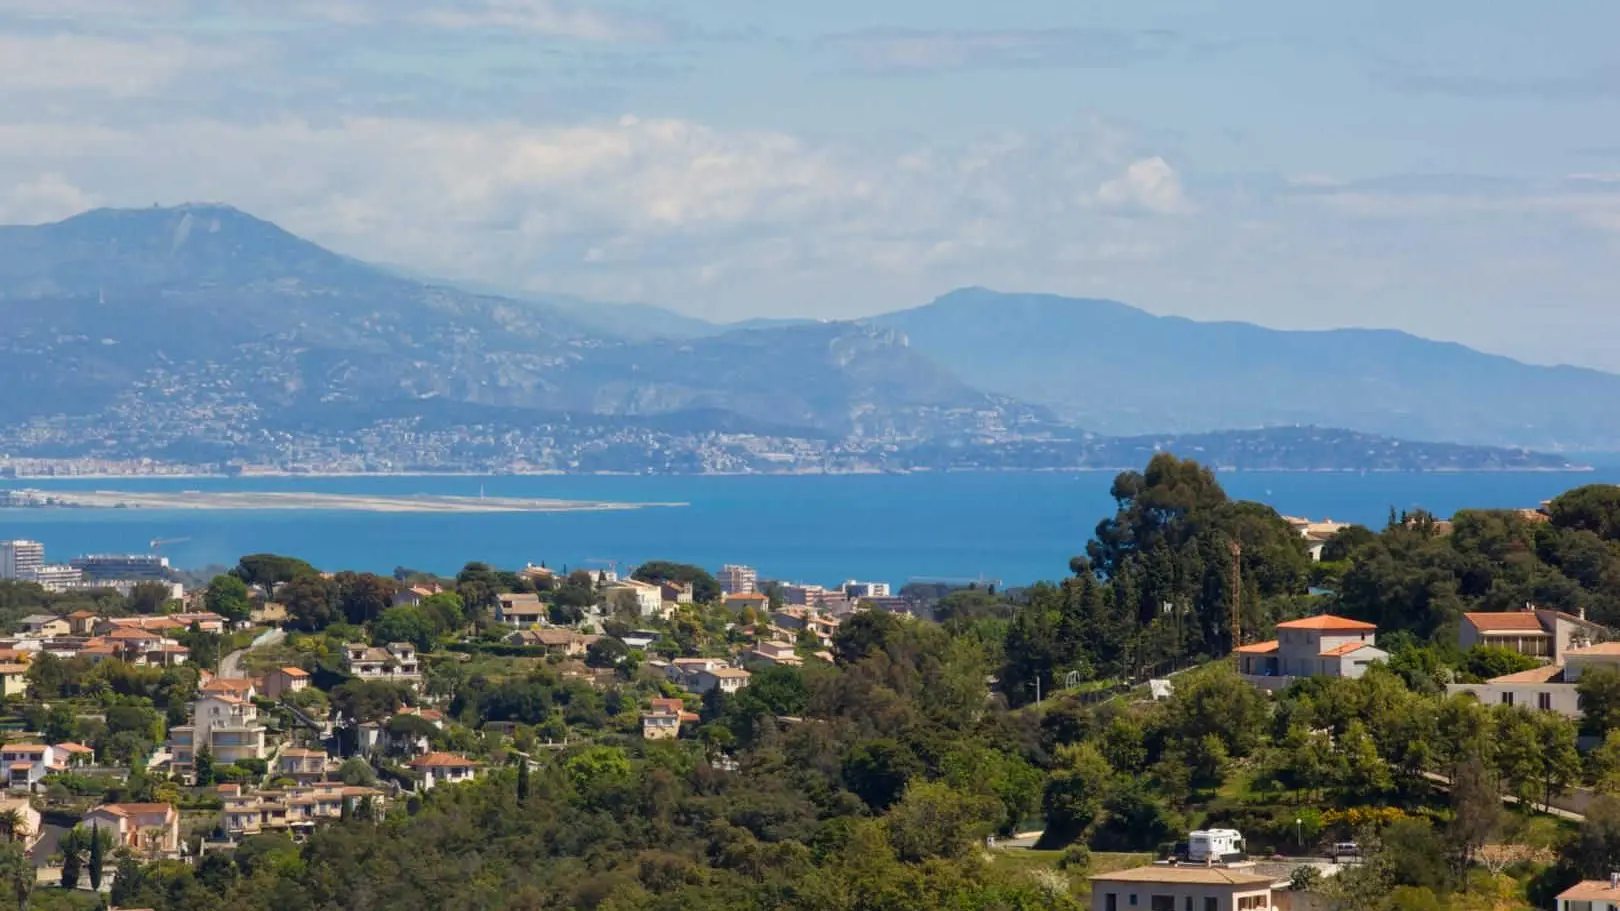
(1602, 648)
(1547, 673)
(442, 761)
(1345, 649)
(1258, 648)
(1327, 622)
(1506, 621)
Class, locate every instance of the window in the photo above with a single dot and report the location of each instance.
(1162, 902)
(1111, 902)
(1544, 701)
(1133, 899)
(1507, 698)
(1212, 904)
(1188, 905)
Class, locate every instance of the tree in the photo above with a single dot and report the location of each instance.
(126, 883)
(356, 772)
(934, 820)
(878, 771)
(1560, 761)
(406, 623)
(1345, 542)
(1476, 813)
(17, 872)
(1486, 662)
(148, 598)
(98, 859)
(227, 596)
(270, 570)
(363, 597)
(368, 700)
(523, 779)
(605, 652)
(705, 589)
(203, 765)
(1598, 691)
(311, 601)
(1074, 794)
(13, 826)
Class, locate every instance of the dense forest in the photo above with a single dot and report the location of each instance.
(874, 781)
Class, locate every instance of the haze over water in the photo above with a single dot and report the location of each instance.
(1013, 526)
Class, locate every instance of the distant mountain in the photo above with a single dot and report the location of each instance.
(203, 316)
(1115, 369)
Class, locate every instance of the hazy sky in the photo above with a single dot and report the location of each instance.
(1444, 167)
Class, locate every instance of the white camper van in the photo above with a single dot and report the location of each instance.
(1212, 845)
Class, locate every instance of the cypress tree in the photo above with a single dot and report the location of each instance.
(96, 858)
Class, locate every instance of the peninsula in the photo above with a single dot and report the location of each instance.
(196, 499)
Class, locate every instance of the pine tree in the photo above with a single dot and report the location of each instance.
(523, 779)
(96, 856)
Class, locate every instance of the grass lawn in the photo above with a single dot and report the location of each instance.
(1023, 860)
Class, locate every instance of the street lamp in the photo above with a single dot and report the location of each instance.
(1299, 832)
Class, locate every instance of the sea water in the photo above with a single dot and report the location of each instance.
(1016, 527)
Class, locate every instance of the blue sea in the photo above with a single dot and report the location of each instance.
(1017, 527)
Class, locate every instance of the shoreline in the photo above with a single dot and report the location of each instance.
(102, 500)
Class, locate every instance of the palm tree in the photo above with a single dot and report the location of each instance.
(13, 825)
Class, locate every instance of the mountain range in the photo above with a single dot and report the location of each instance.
(133, 332)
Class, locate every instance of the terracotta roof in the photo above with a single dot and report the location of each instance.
(226, 685)
(1326, 621)
(23, 748)
(301, 753)
(1590, 890)
(1515, 621)
(728, 673)
(442, 761)
(294, 671)
(83, 615)
(13, 668)
(1345, 649)
(1258, 648)
(133, 635)
(1602, 649)
(21, 766)
(71, 747)
(1186, 875)
(1547, 673)
(751, 596)
(672, 706)
(135, 809)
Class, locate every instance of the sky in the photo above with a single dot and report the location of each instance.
(1447, 168)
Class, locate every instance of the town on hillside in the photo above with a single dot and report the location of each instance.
(1215, 708)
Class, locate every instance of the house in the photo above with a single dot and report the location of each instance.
(1321, 646)
(148, 829)
(754, 600)
(675, 592)
(1163, 887)
(725, 679)
(207, 621)
(444, 768)
(1534, 632)
(1316, 534)
(301, 765)
(31, 829)
(13, 680)
(647, 599)
(240, 687)
(682, 670)
(1591, 895)
(416, 594)
(224, 724)
(138, 646)
(26, 764)
(82, 622)
(1550, 687)
(519, 611)
(284, 681)
(397, 662)
(537, 574)
(45, 625)
(72, 754)
(663, 721)
(565, 642)
(776, 654)
(294, 809)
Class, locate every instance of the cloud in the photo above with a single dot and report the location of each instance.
(915, 50)
(68, 62)
(552, 18)
(1147, 185)
(48, 197)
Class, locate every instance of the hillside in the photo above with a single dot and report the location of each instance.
(1115, 369)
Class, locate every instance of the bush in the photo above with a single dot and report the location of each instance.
(1076, 859)
(256, 766)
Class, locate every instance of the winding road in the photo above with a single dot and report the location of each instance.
(231, 665)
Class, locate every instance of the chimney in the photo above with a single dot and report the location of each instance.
(1581, 612)
(1614, 880)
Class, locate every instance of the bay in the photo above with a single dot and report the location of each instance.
(1017, 527)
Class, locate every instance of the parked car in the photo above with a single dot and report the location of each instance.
(1345, 850)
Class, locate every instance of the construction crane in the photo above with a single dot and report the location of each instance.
(157, 544)
(612, 565)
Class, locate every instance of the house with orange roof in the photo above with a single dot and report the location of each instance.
(284, 681)
(72, 754)
(83, 622)
(1320, 646)
(1535, 632)
(13, 680)
(148, 829)
(444, 768)
(27, 763)
(663, 721)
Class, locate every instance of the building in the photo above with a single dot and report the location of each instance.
(31, 829)
(225, 724)
(13, 680)
(138, 646)
(724, 679)
(676, 592)
(565, 642)
(54, 577)
(443, 768)
(648, 599)
(755, 600)
(284, 681)
(397, 661)
(1321, 646)
(1591, 895)
(83, 622)
(519, 610)
(27, 764)
(123, 568)
(663, 721)
(776, 654)
(1534, 632)
(1316, 534)
(301, 765)
(20, 559)
(1165, 887)
(416, 594)
(45, 625)
(295, 809)
(148, 829)
(857, 590)
(241, 687)
(1550, 687)
(737, 580)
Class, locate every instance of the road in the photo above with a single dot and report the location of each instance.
(1510, 800)
(231, 665)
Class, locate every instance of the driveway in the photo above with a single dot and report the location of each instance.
(231, 665)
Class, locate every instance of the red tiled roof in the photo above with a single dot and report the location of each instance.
(295, 672)
(442, 761)
(23, 748)
(1510, 621)
(1327, 621)
(70, 747)
(1258, 648)
(1345, 649)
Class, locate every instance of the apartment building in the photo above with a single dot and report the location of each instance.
(123, 567)
(20, 559)
(295, 809)
(735, 579)
(397, 661)
(226, 725)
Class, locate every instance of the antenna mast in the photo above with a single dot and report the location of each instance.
(1237, 600)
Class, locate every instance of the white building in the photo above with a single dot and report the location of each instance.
(1322, 646)
(55, 577)
(856, 590)
(444, 768)
(123, 567)
(648, 598)
(27, 763)
(735, 579)
(19, 559)
(520, 611)
(227, 725)
(1550, 687)
(725, 679)
(1162, 887)
(396, 662)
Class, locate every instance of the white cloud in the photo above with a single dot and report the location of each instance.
(1148, 184)
(552, 18)
(48, 197)
(65, 62)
